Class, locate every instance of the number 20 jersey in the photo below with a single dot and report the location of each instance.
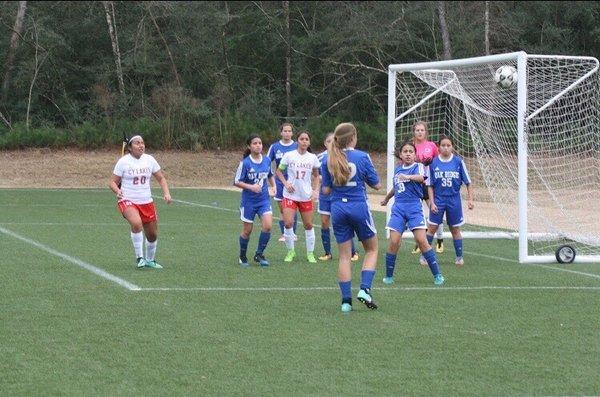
(135, 177)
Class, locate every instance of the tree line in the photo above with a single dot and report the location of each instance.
(193, 75)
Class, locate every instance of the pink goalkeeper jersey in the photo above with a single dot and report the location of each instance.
(426, 151)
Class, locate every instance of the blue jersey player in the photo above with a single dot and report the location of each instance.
(325, 211)
(345, 172)
(275, 153)
(408, 212)
(252, 176)
(448, 174)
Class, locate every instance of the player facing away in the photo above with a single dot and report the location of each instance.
(254, 176)
(130, 182)
(324, 209)
(426, 151)
(300, 189)
(275, 153)
(447, 174)
(408, 211)
(345, 172)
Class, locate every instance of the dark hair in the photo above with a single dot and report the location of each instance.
(248, 142)
(286, 124)
(307, 134)
(130, 140)
(445, 137)
(399, 148)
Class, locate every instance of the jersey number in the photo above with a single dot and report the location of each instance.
(298, 173)
(139, 180)
(352, 167)
(446, 182)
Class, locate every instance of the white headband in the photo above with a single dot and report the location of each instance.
(132, 138)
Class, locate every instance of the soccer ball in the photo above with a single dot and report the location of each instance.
(506, 76)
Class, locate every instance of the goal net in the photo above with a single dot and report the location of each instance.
(532, 148)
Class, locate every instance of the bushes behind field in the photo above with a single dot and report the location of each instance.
(227, 132)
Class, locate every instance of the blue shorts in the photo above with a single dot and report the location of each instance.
(407, 215)
(278, 190)
(452, 206)
(324, 205)
(249, 210)
(350, 217)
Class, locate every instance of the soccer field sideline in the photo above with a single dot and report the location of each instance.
(133, 287)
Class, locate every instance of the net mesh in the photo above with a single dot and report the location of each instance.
(562, 134)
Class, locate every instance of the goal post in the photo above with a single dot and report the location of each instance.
(532, 149)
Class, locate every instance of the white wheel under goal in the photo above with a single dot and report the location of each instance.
(565, 254)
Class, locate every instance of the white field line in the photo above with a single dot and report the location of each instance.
(302, 289)
(84, 265)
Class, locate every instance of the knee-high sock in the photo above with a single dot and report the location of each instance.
(432, 262)
(138, 244)
(346, 291)
(429, 238)
(310, 240)
(366, 278)
(263, 240)
(151, 249)
(326, 239)
(243, 246)
(458, 248)
(390, 264)
(289, 238)
(439, 234)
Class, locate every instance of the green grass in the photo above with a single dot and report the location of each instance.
(65, 330)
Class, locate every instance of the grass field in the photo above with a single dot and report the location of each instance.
(78, 318)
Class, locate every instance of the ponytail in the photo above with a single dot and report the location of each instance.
(338, 162)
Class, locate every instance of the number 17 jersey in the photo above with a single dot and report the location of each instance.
(299, 169)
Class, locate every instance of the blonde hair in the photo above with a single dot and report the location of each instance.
(338, 162)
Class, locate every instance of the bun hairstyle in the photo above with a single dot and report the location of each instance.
(337, 163)
(248, 142)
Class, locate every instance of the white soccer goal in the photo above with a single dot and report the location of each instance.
(532, 149)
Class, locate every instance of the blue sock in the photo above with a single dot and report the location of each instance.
(263, 240)
(281, 224)
(458, 248)
(243, 246)
(390, 264)
(366, 278)
(295, 221)
(326, 239)
(353, 247)
(346, 290)
(432, 262)
(429, 239)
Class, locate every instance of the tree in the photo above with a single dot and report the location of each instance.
(109, 9)
(17, 32)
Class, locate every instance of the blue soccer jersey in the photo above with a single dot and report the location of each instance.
(447, 176)
(254, 173)
(406, 190)
(362, 171)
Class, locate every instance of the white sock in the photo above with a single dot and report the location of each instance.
(289, 238)
(151, 249)
(310, 240)
(138, 244)
(440, 232)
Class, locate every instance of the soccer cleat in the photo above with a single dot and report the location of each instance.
(354, 257)
(282, 238)
(438, 279)
(416, 250)
(364, 295)
(440, 246)
(290, 256)
(140, 263)
(153, 265)
(260, 259)
(346, 307)
(388, 280)
(326, 257)
(311, 257)
(459, 261)
(422, 261)
(243, 261)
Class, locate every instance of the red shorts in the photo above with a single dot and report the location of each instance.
(147, 211)
(303, 206)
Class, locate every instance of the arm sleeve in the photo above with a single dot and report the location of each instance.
(271, 153)
(317, 163)
(118, 170)
(427, 176)
(284, 162)
(240, 173)
(370, 174)
(464, 174)
(155, 165)
(325, 174)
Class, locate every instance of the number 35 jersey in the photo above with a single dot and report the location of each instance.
(299, 169)
(447, 176)
(135, 177)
